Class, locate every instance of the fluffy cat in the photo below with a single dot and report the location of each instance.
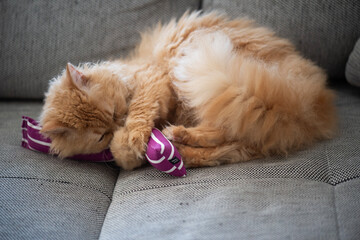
(223, 91)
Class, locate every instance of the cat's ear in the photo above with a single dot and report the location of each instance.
(76, 78)
(53, 127)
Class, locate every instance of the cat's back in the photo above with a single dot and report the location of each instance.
(163, 42)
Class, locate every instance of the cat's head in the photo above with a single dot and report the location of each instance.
(83, 107)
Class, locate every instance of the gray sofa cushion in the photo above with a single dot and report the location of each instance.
(43, 197)
(324, 31)
(311, 194)
(353, 66)
(38, 38)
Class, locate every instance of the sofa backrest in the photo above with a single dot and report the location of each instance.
(323, 30)
(39, 37)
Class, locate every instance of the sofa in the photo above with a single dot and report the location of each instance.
(309, 194)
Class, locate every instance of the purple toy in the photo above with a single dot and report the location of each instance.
(33, 140)
(161, 153)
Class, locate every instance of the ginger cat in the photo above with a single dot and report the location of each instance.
(223, 91)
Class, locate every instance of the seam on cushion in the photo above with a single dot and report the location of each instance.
(336, 215)
(333, 183)
(346, 180)
(331, 179)
(107, 211)
(59, 181)
(123, 193)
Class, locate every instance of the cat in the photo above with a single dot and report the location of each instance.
(223, 91)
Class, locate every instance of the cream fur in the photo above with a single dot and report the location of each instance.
(204, 64)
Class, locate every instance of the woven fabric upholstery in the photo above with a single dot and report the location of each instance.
(311, 194)
(43, 197)
(39, 37)
(324, 31)
(353, 66)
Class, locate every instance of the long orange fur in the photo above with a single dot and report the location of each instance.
(223, 91)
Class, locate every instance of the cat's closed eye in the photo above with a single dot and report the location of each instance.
(105, 135)
(102, 137)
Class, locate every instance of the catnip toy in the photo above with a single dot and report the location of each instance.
(33, 140)
(161, 153)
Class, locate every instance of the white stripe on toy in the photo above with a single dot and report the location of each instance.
(33, 149)
(159, 142)
(171, 170)
(172, 146)
(33, 126)
(39, 142)
(155, 161)
(181, 165)
(172, 149)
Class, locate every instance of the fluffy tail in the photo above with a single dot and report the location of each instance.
(202, 70)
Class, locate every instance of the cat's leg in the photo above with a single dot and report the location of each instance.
(213, 156)
(151, 101)
(199, 136)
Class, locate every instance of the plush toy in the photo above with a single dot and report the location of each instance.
(161, 153)
(33, 140)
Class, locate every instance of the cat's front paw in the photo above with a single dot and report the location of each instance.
(175, 133)
(128, 149)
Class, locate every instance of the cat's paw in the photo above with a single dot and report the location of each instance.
(128, 149)
(175, 133)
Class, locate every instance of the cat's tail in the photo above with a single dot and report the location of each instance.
(202, 68)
